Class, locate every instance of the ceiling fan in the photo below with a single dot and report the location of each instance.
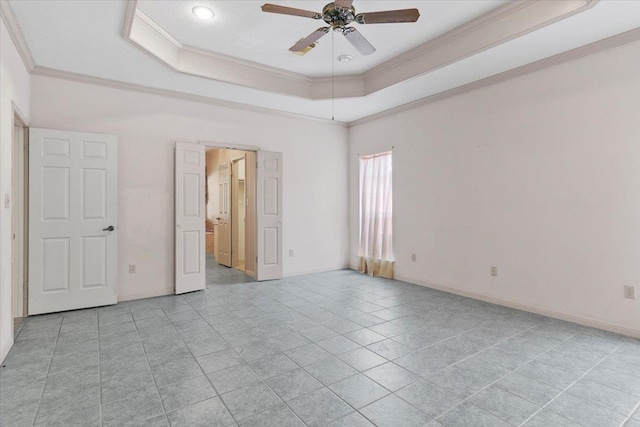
(338, 15)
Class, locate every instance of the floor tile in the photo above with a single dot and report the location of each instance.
(392, 411)
(463, 381)
(338, 345)
(218, 361)
(135, 408)
(504, 405)
(101, 366)
(278, 416)
(391, 376)
(365, 336)
(546, 418)
(271, 366)
(358, 390)
(256, 350)
(185, 393)
(429, 398)
(233, 378)
(247, 401)
(172, 371)
(603, 395)
(362, 359)
(208, 413)
(547, 374)
(584, 412)
(389, 349)
(529, 389)
(292, 384)
(466, 414)
(319, 407)
(307, 354)
(354, 419)
(331, 370)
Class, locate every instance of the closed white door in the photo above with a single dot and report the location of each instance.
(190, 217)
(224, 215)
(73, 220)
(269, 216)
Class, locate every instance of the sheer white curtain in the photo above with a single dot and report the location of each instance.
(376, 200)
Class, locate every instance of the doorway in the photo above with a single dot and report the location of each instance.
(230, 216)
(19, 230)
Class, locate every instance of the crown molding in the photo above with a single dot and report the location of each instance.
(501, 25)
(571, 55)
(512, 20)
(99, 81)
(132, 5)
(16, 35)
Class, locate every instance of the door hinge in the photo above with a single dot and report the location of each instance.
(256, 165)
(256, 259)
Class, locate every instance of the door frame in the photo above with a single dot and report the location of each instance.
(19, 214)
(235, 185)
(222, 146)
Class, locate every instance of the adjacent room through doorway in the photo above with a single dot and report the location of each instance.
(230, 216)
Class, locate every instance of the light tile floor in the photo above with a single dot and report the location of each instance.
(337, 348)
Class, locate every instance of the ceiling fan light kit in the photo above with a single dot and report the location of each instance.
(339, 15)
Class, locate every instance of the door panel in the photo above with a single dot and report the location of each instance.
(224, 215)
(73, 198)
(269, 215)
(190, 217)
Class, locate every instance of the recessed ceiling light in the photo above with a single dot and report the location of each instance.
(203, 12)
(345, 58)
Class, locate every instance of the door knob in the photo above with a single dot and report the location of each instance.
(109, 228)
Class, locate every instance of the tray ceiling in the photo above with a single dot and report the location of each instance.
(240, 29)
(83, 40)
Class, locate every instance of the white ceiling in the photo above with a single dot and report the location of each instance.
(242, 30)
(85, 37)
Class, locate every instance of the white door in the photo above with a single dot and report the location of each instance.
(224, 215)
(73, 220)
(269, 216)
(190, 217)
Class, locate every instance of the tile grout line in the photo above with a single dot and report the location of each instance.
(300, 367)
(35, 416)
(502, 377)
(571, 385)
(205, 374)
(99, 368)
(273, 391)
(631, 414)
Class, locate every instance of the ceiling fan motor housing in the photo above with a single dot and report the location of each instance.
(337, 16)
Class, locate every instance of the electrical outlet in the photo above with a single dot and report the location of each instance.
(494, 271)
(290, 252)
(630, 292)
(413, 257)
(132, 268)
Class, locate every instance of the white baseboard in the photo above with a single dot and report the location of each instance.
(5, 349)
(320, 270)
(585, 321)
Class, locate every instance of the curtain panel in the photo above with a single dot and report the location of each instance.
(376, 205)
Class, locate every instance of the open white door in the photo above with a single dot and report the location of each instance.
(73, 220)
(223, 256)
(190, 217)
(269, 216)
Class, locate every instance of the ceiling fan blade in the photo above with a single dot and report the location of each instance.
(274, 8)
(389, 16)
(346, 4)
(309, 40)
(358, 41)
